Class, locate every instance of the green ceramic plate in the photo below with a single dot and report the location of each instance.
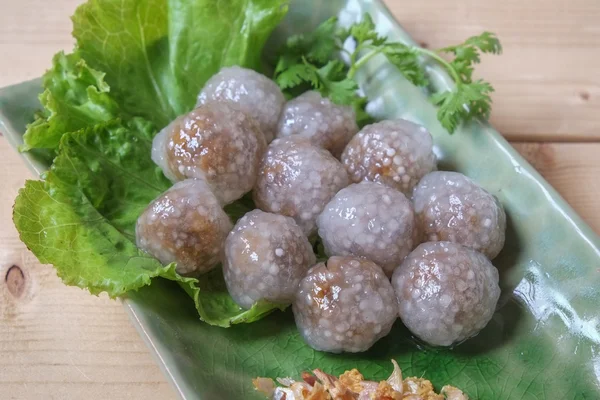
(544, 340)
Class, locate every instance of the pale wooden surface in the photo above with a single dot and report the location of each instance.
(58, 342)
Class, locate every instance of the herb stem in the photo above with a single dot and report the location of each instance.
(343, 50)
(442, 61)
(355, 65)
(355, 54)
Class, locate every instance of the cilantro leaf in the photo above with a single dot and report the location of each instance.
(297, 74)
(478, 96)
(330, 80)
(469, 100)
(364, 31)
(333, 70)
(309, 62)
(467, 53)
(466, 102)
(464, 69)
(342, 92)
(406, 59)
(323, 43)
(487, 42)
(362, 116)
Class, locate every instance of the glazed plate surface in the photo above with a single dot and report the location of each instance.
(543, 341)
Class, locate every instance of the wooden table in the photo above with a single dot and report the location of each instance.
(58, 342)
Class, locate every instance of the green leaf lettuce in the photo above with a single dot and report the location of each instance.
(157, 54)
(138, 64)
(75, 96)
(82, 218)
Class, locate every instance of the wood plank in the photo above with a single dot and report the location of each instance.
(546, 86)
(31, 32)
(59, 342)
(547, 80)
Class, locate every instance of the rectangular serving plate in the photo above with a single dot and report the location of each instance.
(549, 266)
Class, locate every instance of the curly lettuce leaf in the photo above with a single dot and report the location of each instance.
(82, 218)
(134, 59)
(215, 305)
(61, 227)
(111, 165)
(157, 54)
(75, 96)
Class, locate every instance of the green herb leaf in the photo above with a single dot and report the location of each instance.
(330, 80)
(360, 110)
(298, 74)
(334, 83)
(467, 102)
(296, 70)
(322, 44)
(463, 69)
(469, 50)
(487, 42)
(317, 46)
(467, 54)
(342, 92)
(111, 165)
(82, 217)
(216, 307)
(406, 59)
(364, 31)
(60, 226)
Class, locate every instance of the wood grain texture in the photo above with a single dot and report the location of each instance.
(547, 80)
(58, 342)
(31, 32)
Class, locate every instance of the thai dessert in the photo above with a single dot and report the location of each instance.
(215, 142)
(344, 304)
(446, 292)
(266, 256)
(171, 156)
(326, 124)
(185, 225)
(252, 92)
(297, 179)
(449, 206)
(370, 220)
(397, 153)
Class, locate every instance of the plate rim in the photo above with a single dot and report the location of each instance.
(582, 227)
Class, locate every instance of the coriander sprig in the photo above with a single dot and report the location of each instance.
(469, 99)
(312, 61)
